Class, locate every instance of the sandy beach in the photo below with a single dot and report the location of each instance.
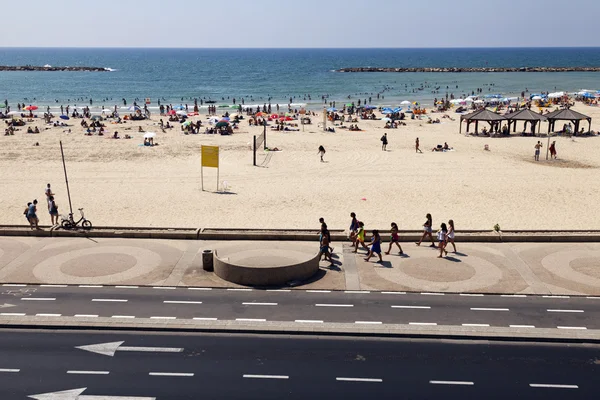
(122, 183)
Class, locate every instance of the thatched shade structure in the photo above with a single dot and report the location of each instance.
(525, 115)
(484, 115)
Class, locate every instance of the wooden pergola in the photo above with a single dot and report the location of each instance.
(526, 115)
(483, 115)
(567, 114)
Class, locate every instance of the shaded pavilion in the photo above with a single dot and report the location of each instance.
(527, 116)
(483, 115)
(567, 114)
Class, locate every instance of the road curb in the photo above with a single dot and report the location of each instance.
(302, 329)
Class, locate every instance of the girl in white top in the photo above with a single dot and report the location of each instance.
(450, 234)
(441, 236)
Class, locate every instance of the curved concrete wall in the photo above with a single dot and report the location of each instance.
(265, 276)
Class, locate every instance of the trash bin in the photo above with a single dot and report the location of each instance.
(207, 260)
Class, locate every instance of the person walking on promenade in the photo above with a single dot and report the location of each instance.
(441, 236)
(384, 142)
(394, 239)
(324, 245)
(538, 146)
(360, 237)
(53, 211)
(324, 225)
(375, 246)
(27, 212)
(353, 228)
(553, 150)
(417, 148)
(32, 215)
(321, 152)
(450, 235)
(427, 229)
(48, 193)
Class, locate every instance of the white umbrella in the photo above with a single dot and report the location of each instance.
(536, 98)
(183, 113)
(149, 135)
(386, 119)
(479, 102)
(14, 113)
(405, 103)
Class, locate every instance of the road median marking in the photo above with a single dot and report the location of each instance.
(461, 383)
(552, 386)
(250, 376)
(371, 380)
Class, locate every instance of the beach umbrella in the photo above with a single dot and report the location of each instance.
(386, 119)
(186, 123)
(182, 113)
(370, 107)
(285, 118)
(179, 107)
(149, 135)
(226, 119)
(65, 117)
(479, 102)
(134, 108)
(96, 118)
(223, 105)
(2, 105)
(349, 105)
(221, 124)
(331, 109)
(536, 98)
(171, 112)
(31, 108)
(274, 116)
(14, 113)
(213, 120)
(405, 103)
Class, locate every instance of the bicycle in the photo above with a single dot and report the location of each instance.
(70, 223)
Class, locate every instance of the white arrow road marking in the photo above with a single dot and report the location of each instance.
(75, 394)
(6, 305)
(109, 349)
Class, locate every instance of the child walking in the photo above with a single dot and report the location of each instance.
(375, 246)
(394, 239)
(360, 237)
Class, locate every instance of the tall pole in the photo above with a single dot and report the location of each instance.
(324, 119)
(66, 179)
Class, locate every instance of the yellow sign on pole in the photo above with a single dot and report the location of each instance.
(210, 156)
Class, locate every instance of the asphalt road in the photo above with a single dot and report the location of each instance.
(515, 311)
(205, 366)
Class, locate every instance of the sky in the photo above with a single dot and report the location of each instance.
(304, 23)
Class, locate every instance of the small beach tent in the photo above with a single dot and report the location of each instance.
(483, 115)
(525, 115)
(566, 114)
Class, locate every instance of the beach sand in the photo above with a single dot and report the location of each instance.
(120, 183)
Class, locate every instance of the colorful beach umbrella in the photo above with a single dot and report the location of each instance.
(221, 124)
(31, 108)
(171, 112)
(65, 117)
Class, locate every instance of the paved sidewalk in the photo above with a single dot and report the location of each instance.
(528, 268)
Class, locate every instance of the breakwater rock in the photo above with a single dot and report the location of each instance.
(472, 69)
(50, 68)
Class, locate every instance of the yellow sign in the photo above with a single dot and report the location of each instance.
(210, 156)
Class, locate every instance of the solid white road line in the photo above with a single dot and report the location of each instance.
(12, 314)
(171, 373)
(513, 295)
(393, 292)
(522, 326)
(111, 300)
(318, 291)
(164, 287)
(248, 376)
(471, 294)
(423, 323)
(334, 305)
(476, 325)
(377, 380)
(88, 372)
(123, 316)
(14, 285)
(204, 319)
(199, 288)
(86, 316)
(488, 309)
(554, 386)
(414, 307)
(567, 311)
(48, 315)
(127, 287)
(556, 297)
(250, 319)
(357, 291)
(38, 298)
(259, 304)
(53, 285)
(239, 290)
(463, 383)
(572, 327)
(9, 370)
(181, 302)
(163, 317)
(368, 322)
(309, 321)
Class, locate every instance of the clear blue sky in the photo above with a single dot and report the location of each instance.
(303, 23)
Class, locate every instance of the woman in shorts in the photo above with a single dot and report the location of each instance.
(394, 239)
(450, 235)
(441, 236)
(427, 231)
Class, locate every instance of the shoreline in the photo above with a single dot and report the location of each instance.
(469, 69)
(29, 68)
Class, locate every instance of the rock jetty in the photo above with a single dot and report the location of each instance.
(48, 68)
(473, 69)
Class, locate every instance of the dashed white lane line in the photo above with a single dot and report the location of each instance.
(572, 327)
(239, 290)
(593, 297)
(414, 307)
(91, 286)
(318, 291)
(488, 309)
(159, 317)
(86, 315)
(334, 305)
(48, 315)
(123, 316)
(477, 325)
(357, 291)
(127, 287)
(249, 376)
(462, 383)
(556, 297)
(393, 292)
(9, 370)
(309, 321)
(14, 285)
(111, 300)
(88, 372)
(553, 386)
(565, 311)
(53, 286)
(279, 290)
(372, 380)
(432, 294)
(423, 323)
(368, 322)
(471, 294)
(522, 326)
(38, 298)
(171, 374)
(181, 302)
(513, 295)
(164, 287)
(12, 314)
(259, 304)
(199, 288)
(251, 319)
(204, 319)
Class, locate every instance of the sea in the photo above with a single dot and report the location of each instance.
(303, 77)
